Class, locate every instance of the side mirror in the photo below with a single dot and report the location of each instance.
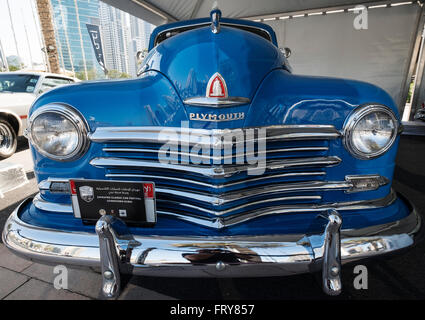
(286, 52)
(140, 55)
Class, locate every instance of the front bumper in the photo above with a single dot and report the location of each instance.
(241, 256)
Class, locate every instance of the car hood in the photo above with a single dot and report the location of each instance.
(191, 58)
(14, 99)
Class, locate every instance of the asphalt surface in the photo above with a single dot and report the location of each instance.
(396, 277)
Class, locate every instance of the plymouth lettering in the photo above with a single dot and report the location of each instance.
(217, 118)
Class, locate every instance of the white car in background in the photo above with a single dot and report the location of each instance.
(18, 90)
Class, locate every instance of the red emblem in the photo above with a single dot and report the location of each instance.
(148, 190)
(216, 87)
(72, 187)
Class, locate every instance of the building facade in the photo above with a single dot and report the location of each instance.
(75, 50)
(122, 36)
(115, 36)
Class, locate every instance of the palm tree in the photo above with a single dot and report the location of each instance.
(46, 21)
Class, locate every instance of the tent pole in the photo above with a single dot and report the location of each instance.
(418, 79)
(414, 51)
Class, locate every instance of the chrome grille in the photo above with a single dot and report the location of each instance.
(219, 186)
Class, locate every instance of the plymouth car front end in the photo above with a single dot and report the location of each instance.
(238, 167)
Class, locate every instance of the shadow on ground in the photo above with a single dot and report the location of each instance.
(22, 144)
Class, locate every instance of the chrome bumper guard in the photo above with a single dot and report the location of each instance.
(117, 251)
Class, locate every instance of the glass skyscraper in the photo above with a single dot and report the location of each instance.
(74, 45)
(115, 37)
(122, 36)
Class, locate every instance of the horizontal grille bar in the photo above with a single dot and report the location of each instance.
(167, 203)
(221, 222)
(219, 171)
(216, 158)
(217, 185)
(215, 137)
(229, 197)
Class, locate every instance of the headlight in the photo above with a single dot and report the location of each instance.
(59, 132)
(370, 131)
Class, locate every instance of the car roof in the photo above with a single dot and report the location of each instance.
(40, 73)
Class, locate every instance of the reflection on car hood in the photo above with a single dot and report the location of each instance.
(191, 58)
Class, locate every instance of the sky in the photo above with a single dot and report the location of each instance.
(24, 15)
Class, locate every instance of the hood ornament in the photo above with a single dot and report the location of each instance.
(215, 15)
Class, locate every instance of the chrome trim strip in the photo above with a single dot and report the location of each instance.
(216, 102)
(353, 179)
(217, 158)
(218, 171)
(176, 135)
(44, 185)
(223, 212)
(216, 186)
(229, 197)
(220, 222)
(270, 255)
(42, 204)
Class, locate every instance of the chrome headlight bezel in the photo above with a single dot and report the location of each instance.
(355, 117)
(72, 115)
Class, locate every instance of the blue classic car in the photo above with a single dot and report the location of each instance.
(217, 161)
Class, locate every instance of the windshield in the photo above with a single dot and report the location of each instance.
(18, 82)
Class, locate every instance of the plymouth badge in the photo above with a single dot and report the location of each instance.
(216, 87)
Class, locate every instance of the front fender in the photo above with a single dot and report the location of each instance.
(285, 98)
(150, 100)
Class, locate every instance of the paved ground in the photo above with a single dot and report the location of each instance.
(398, 277)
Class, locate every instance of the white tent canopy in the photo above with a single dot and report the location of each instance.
(161, 11)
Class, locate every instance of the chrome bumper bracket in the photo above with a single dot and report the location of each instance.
(115, 252)
(109, 259)
(331, 265)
